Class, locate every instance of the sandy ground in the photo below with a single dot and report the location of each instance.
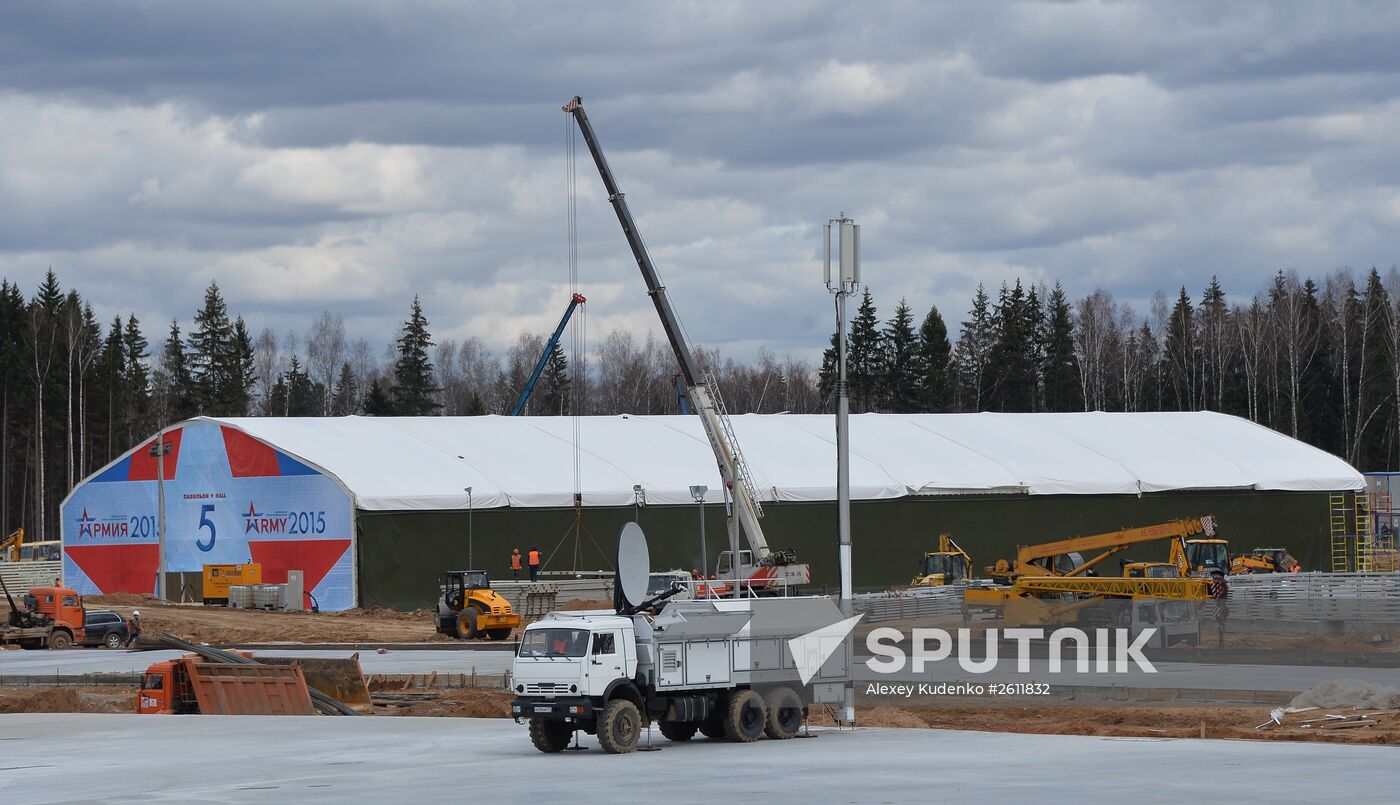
(221, 625)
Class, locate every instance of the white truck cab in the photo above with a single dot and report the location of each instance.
(575, 654)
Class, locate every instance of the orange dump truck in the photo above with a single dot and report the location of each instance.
(193, 685)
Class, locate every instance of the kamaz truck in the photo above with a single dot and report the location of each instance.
(730, 669)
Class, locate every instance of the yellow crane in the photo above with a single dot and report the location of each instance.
(949, 564)
(1050, 581)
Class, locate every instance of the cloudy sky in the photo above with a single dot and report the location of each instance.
(349, 155)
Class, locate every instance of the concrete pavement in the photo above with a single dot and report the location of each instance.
(103, 661)
(223, 759)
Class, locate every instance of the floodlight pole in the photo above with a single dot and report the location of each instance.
(843, 285)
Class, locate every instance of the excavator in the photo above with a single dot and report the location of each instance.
(761, 570)
(949, 564)
(9, 546)
(1050, 582)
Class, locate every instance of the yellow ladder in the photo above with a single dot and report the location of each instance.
(1365, 535)
(1341, 560)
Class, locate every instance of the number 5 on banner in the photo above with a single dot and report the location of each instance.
(205, 522)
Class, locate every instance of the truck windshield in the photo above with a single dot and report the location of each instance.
(152, 682)
(554, 643)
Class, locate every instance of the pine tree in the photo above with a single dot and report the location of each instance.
(865, 359)
(303, 396)
(377, 403)
(553, 391)
(238, 371)
(344, 399)
(972, 356)
(136, 380)
(935, 385)
(415, 392)
(826, 375)
(210, 346)
(903, 363)
(1060, 371)
(475, 407)
(1181, 354)
(111, 368)
(1013, 371)
(181, 401)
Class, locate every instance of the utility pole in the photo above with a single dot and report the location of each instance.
(844, 284)
(471, 561)
(697, 493)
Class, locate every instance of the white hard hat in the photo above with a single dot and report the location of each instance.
(135, 613)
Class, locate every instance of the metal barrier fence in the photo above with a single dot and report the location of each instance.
(1287, 596)
(930, 602)
(20, 576)
(1316, 596)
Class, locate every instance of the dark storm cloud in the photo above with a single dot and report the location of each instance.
(347, 155)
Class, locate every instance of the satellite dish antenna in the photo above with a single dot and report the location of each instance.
(633, 565)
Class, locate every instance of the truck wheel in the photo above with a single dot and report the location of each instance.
(466, 624)
(745, 717)
(60, 640)
(784, 713)
(550, 736)
(498, 634)
(112, 640)
(713, 728)
(619, 727)
(679, 730)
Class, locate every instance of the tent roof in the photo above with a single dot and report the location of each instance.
(427, 462)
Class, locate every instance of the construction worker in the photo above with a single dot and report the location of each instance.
(1219, 591)
(133, 628)
(515, 563)
(535, 564)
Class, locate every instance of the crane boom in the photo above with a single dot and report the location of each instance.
(1037, 559)
(544, 356)
(702, 399)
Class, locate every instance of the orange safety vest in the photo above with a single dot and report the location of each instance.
(515, 561)
(534, 558)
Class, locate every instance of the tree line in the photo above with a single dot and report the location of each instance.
(1320, 362)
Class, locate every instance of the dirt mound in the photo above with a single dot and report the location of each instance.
(458, 703)
(65, 700)
(126, 599)
(1336, 693)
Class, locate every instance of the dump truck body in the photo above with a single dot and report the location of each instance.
(192, 685)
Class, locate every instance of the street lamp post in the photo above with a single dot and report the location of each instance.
(158, 452)
(471, 561)
(697, 493)
(843, 285)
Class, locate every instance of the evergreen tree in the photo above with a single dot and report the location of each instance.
(210, 346)
(415, 392)
(553, 390)
(903, 369)
(1181, 355)
(238, 371)
(865, 360)
(972, 356)
(344, 399)
(181, 400)
(1012, 361)
(1062, 388)
(826, 375)
(303, 396)
(475, 407)
(377, 403)
(935, 383)
(136, 380)
(113, 407)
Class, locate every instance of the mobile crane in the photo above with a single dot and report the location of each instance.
(10, 546)
(549, 347)
(1050, 581)
(760, 570)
